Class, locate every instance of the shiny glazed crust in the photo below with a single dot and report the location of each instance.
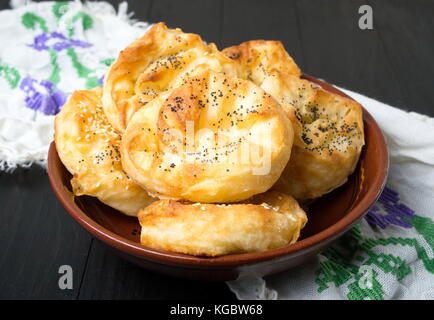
(256, 59)
(89, 148)
(153, 64)
(270, 221)
(328, 136)
(214, 139)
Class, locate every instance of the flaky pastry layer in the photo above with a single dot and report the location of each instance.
(154, 63)
(89, 148)
(213, 139)
(257, 59)
(270, 221)
(328, 136)
(328, 128)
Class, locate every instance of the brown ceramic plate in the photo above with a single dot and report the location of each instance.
(329, 217)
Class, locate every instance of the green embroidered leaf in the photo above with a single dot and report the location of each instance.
(54, 76)
(421, 252)
(82, 70)
(92, 82)
(389, 264)
(86, 20)
(331, 272)
(425, 227)
(11, 75)
(60, 8)
(108, 62)
(374, 291)
(31, 21)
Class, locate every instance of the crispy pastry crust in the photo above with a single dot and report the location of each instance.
(214, 139)
(328, 136)
(256, 59)
(89, 148)
(272, 220)
(152, 64)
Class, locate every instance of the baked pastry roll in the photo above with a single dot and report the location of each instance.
(328, 136)
(156, 62)
(271, 221)
(214, 139)
(89, 148)
(256, 59)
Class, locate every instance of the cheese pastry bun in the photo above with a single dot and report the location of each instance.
(154, 63)
(213, 139)
(89, 148)
(271, 221)
(328, 136)
(256, 59)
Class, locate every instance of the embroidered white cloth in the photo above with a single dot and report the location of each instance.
(50, 49)
(390, 253)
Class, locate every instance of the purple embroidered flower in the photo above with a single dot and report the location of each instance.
(42, 96)
(389, 210)
(56, 41)
(101, 81)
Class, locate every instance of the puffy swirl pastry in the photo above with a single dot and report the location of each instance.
(272, 220)
(328, 129)
(89, 148)
(213, 139)
(156, 62)
(328, 136)
(256, 59)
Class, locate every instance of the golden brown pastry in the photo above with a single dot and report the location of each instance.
(156, 62)
(328, 136)
(256, 59)
(213, 139)
(89, 148)
(273, 221)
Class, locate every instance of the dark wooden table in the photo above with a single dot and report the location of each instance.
(393, 62)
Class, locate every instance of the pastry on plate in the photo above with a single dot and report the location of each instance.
(258, 58)
(89, 148)
(154, 63)
(328, 136)
(271, 221)
(213, 139)
(328, 129)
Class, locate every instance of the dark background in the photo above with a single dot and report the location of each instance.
(394, 63)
